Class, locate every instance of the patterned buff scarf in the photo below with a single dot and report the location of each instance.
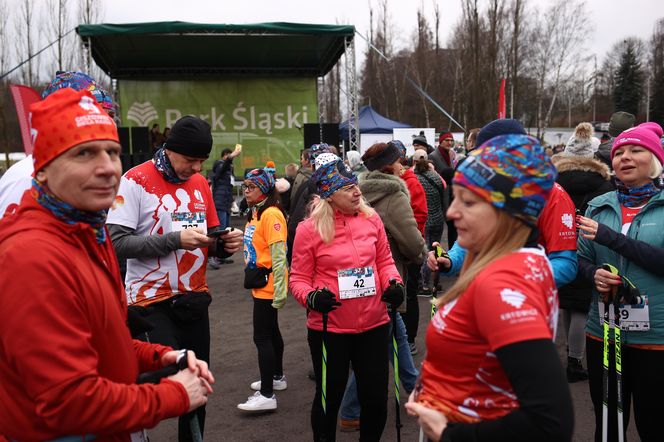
(164, 166)
(635, 196)
(70, 214)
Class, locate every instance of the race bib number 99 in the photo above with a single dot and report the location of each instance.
(356, 283)
(632, 317)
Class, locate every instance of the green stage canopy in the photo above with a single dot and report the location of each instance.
(184, 50)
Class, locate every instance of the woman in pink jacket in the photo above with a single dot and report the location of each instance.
(343, 272)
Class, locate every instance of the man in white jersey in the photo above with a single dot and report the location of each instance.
(163, 221)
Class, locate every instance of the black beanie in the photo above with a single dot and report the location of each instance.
(388, 156)
(502, 126)
(190, 136)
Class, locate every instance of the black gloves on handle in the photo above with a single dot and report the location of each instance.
(393, 294)
(322, 301)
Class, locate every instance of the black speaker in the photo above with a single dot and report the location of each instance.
(126, 160)
(312, 134)
(123, 133)
(140, 140)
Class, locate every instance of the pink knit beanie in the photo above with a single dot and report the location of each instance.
(646, 135)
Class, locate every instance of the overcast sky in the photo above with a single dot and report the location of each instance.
(611, 20)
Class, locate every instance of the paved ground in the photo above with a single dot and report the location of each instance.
(234, 363)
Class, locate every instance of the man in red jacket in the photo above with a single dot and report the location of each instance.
(68, 366)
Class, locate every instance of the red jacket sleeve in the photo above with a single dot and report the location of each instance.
(149, 355)
(56, 358)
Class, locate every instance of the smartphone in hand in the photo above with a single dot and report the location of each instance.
(218, 233)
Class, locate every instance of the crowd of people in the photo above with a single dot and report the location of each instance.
(354, 239)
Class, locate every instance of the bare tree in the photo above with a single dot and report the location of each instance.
(28, 41)
(4, 37)
(58, 27)
(4, 60)
(560, 34)
(519, 31)
(91, 12)
(656, 80)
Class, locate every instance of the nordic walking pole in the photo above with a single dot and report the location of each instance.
(154, 377)
(605, 371)
(323, 378)
(395, 358)
(617, 333)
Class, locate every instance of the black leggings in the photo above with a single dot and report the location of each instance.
(269, 343)
(366, 351)
(192, 335)
(642, 383)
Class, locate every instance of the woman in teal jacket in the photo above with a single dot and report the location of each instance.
(625, 229)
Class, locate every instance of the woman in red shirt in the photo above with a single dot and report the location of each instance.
(492, 371)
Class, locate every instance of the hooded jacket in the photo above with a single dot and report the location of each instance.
(583, 179)
(647, 228)
(359, 241)
(67, 363)
(388, 195)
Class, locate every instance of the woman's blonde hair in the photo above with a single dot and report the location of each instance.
(322, 214)
(655, 167)
(509, 235)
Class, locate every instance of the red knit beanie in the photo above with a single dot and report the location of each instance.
(66, 119)
(444, 135)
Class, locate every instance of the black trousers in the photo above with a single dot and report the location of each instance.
(411, 318)
(194, 335)
(269, 343)
(642, 384)
(366, 351)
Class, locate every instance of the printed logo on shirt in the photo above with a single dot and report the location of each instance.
(512, 297)
(277, 227)
(118, 202)
(568, 220)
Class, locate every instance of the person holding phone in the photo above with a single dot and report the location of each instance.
(266, 274)
(159, 221)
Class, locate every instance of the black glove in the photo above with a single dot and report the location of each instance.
(393, 294)
(322, 301)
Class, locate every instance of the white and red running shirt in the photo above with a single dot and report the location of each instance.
(513, 299)
(150, 205)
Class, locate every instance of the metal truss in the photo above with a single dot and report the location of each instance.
(352, 96)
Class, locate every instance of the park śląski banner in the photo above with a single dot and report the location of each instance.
(266, 116)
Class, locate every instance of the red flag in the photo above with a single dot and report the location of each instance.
(23, 97)
(502, 108)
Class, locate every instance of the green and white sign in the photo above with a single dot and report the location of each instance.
(266, 116)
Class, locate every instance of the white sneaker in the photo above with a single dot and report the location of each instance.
(277, 384)
(258, 402)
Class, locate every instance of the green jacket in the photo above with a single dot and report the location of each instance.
(648, 227)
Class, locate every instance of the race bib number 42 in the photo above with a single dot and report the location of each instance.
(187, 220)
(356, 283)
